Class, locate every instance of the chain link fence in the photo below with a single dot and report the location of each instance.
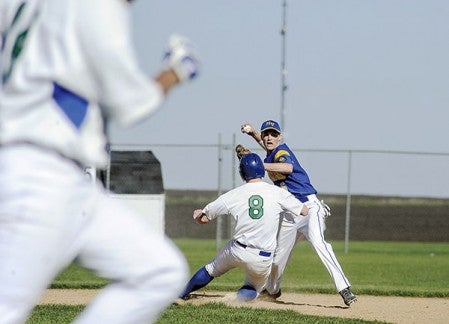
(343, 172)
(420, 176)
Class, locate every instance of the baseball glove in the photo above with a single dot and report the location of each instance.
(240, 150)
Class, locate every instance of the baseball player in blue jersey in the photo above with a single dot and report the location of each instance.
(286, 172)
(256, 207)
(67, 66)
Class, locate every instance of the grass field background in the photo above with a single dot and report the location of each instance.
(214, 313)
(374, 268)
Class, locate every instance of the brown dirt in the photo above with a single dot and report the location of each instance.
(389, 309)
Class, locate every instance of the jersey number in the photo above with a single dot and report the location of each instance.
(18, 42)
(255, 207)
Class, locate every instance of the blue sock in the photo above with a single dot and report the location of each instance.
(246, 293)
(200, 279)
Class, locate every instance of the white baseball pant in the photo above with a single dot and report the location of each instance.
(312, 227)
(50, 215)
(234, 255)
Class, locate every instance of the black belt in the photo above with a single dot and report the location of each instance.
(262, 253)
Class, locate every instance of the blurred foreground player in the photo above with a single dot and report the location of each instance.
(67, 66)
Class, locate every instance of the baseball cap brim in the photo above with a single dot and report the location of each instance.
(270, 124)
(270, 128)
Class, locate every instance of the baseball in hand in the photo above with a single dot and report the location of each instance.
(246, 129)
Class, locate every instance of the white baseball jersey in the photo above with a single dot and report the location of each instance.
(66, 65)
(256, 208)
(61, 77)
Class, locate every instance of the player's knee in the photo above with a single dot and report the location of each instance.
(14, 311)
(169, 272)
(174, 272)
(315, 237)
(274, 267)
(177, 273)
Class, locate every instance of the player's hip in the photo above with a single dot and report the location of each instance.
(34, 181)
(255, 253)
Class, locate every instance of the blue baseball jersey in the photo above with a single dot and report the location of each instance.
(298, 182)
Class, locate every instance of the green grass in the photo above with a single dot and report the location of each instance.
(218, 313)
(213, 313)
(374, 268)
(77, 277)
(54, 314)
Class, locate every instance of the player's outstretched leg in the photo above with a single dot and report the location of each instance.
(315, 235)
(246, 293)
(146, 269)
(348, 296)
(142, 295)
(200, 279)
(287, 238)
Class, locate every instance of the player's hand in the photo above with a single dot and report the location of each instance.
(326, 208)
(181, 57)
(304, 210)
(247, 129)
(199, 216)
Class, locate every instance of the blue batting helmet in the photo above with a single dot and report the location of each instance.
(251, 167)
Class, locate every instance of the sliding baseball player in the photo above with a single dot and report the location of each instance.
(256, 208)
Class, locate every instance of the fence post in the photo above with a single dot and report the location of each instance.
(231, 223)
(348, 203)
(108, 169)
(219, 230)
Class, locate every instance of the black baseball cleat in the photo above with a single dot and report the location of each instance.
(186, 297)
(348, 296)
(264, 294)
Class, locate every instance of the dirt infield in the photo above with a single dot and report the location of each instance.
(389, 309)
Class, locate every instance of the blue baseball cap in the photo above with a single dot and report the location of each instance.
(270, 124)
